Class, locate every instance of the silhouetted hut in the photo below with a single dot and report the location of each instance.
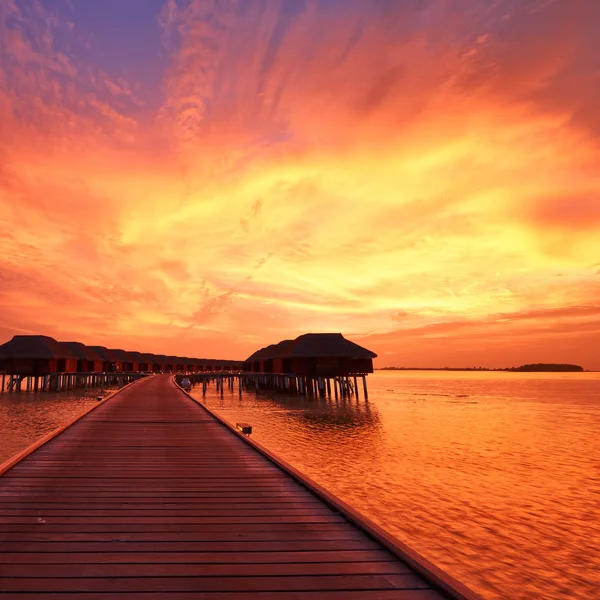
(261, 361)
(147, 362)
(108, 364)
(136, 359)
(36, 355)
(120, 359)
(325, 355)
(88, 361)
(277, 352)
(191, 366)
(171, 363)
(161, 363)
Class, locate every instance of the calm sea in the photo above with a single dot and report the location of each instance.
(25, 417)
(495, 477)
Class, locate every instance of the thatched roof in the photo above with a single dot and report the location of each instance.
(147, 358)
(103, 352)
(81, 351)
(263, 353)
(118, 355)
(40, 347)
(323, 344)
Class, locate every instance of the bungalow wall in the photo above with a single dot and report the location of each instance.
(89, 366)
(95, 366)
(330, 366)
(36, 366)
(64, 365)
(25, 366)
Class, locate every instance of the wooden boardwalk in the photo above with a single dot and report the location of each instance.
(148, 496)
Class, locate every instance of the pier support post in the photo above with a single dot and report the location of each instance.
(364, 378)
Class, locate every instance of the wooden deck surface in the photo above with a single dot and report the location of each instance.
(149, 497)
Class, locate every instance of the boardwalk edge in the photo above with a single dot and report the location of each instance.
(437, 577)
(17, 458)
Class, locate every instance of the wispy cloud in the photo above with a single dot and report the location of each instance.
(412, 171)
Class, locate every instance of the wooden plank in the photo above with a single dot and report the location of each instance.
(137, 546)
(120, 556)
(189, 536)
(213, 584)
(204, 570)
(249, 595)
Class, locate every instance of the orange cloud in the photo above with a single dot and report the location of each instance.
(294, 167)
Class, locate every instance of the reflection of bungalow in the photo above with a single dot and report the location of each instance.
(36, 355)
(88, 361)
(313, 355)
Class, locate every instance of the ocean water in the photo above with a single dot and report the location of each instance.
(493, 476)
(25, 417)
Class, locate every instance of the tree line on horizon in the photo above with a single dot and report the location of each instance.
(534, 367)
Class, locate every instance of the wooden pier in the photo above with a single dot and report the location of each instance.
(150, 496)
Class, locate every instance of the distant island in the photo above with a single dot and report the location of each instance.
(545, 367)
(533, 368)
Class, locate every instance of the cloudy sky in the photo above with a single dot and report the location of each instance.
(203, 178)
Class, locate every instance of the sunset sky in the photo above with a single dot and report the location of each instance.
(203, 178)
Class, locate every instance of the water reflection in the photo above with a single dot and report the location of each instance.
(25, 417)
(493, 476)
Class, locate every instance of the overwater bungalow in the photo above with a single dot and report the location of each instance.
(88, 360)
(136, 360)
(313, 355)
(122, 360)
(108, 363)
(180, 363)
(160, 363)
(36, 355)
(146, 361)
(326, 355)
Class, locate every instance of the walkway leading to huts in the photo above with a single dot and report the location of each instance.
(149, 496)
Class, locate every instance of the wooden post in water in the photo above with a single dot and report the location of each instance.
(355, 387)
(364, 377)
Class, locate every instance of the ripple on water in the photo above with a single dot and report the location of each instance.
(492, 476)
